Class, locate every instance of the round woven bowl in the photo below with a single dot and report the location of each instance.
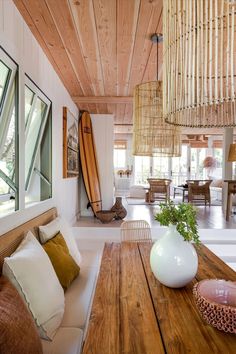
(216, 302)
(105, 216)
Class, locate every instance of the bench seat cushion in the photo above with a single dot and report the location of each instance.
(66, 341)
(78, 298)
(91, 258)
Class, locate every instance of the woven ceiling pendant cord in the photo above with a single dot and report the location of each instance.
(199, 63)
(152, 136)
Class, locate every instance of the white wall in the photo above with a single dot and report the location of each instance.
(20, 44)
(103, 128)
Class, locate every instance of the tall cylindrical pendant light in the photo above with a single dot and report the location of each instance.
(152, 136)
(199, 63)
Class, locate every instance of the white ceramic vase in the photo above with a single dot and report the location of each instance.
(173, 261)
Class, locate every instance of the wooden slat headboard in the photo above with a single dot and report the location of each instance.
(11, 240)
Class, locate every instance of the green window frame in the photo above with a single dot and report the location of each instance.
(9, 129)
(38, 138)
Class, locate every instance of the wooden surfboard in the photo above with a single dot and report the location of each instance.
(89, 162)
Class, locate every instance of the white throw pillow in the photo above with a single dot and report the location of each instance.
(48, 231)
(30, 270)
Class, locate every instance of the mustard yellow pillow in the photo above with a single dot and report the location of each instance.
(64, 265)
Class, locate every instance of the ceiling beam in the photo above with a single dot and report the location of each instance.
(102, 99)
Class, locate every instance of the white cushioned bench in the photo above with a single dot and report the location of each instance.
(78, 297)
(78, 302)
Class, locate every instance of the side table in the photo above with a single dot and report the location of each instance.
(183, 191)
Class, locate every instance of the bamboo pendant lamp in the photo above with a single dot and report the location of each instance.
(152, 136)
(199, 63)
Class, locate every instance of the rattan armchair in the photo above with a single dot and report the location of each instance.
(159, 189)
(199, 190)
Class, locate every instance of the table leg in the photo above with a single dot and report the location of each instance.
(228, 206)
(174, 192)
(183, 196)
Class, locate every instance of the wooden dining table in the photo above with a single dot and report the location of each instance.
(133, 312)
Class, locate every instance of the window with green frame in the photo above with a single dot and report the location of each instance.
(38, 145)
(9, 191)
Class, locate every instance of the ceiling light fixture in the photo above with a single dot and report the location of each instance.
(199, 63)
(152, 136)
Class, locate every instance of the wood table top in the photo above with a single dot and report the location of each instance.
(133, 312)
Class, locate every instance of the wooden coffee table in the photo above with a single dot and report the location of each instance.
(133, 313)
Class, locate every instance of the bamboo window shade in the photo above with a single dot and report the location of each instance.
(120, 144)
(199, 63)
(152, 136)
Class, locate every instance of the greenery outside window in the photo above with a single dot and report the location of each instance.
(180, 167)
(9, 193)
(142, 169)
(38, 145)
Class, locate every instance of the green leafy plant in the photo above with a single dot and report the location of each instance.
(183, 216)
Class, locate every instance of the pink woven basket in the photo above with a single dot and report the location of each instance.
(216, 302)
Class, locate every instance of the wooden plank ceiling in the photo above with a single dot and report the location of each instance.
(100, 49)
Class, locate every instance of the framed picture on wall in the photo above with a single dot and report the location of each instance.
(70, 144)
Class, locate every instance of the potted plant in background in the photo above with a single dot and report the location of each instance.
(173, 258)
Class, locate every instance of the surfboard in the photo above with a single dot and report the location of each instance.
(89, 164)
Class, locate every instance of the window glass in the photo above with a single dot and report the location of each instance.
(8, 134)
(142, 169)
(8, 148)
(4, 72)
(29, 95)
(38, 145)
(197, 157)
(180, 168)
(218, 154)
(32, 135)
(119, 158)
(160, 167)
(7, 198)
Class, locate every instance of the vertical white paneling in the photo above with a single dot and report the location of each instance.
(11, 27)
(31, 56)
(1, 17)
(103, 127)
(18, 41)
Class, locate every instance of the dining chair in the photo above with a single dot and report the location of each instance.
(159, 189)
(199, 190)
(135, 231)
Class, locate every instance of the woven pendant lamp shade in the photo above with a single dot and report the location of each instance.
(151, 135)
(199, 63)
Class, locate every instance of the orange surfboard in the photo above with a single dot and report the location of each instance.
(89, 162)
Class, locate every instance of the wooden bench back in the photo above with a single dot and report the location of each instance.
(11, 240)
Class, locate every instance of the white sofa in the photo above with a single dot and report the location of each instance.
(78, 300)
(137, 191)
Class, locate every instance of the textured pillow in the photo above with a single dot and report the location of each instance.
(48, 231)
(64, 265)
(29, 269)
(18, 333)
